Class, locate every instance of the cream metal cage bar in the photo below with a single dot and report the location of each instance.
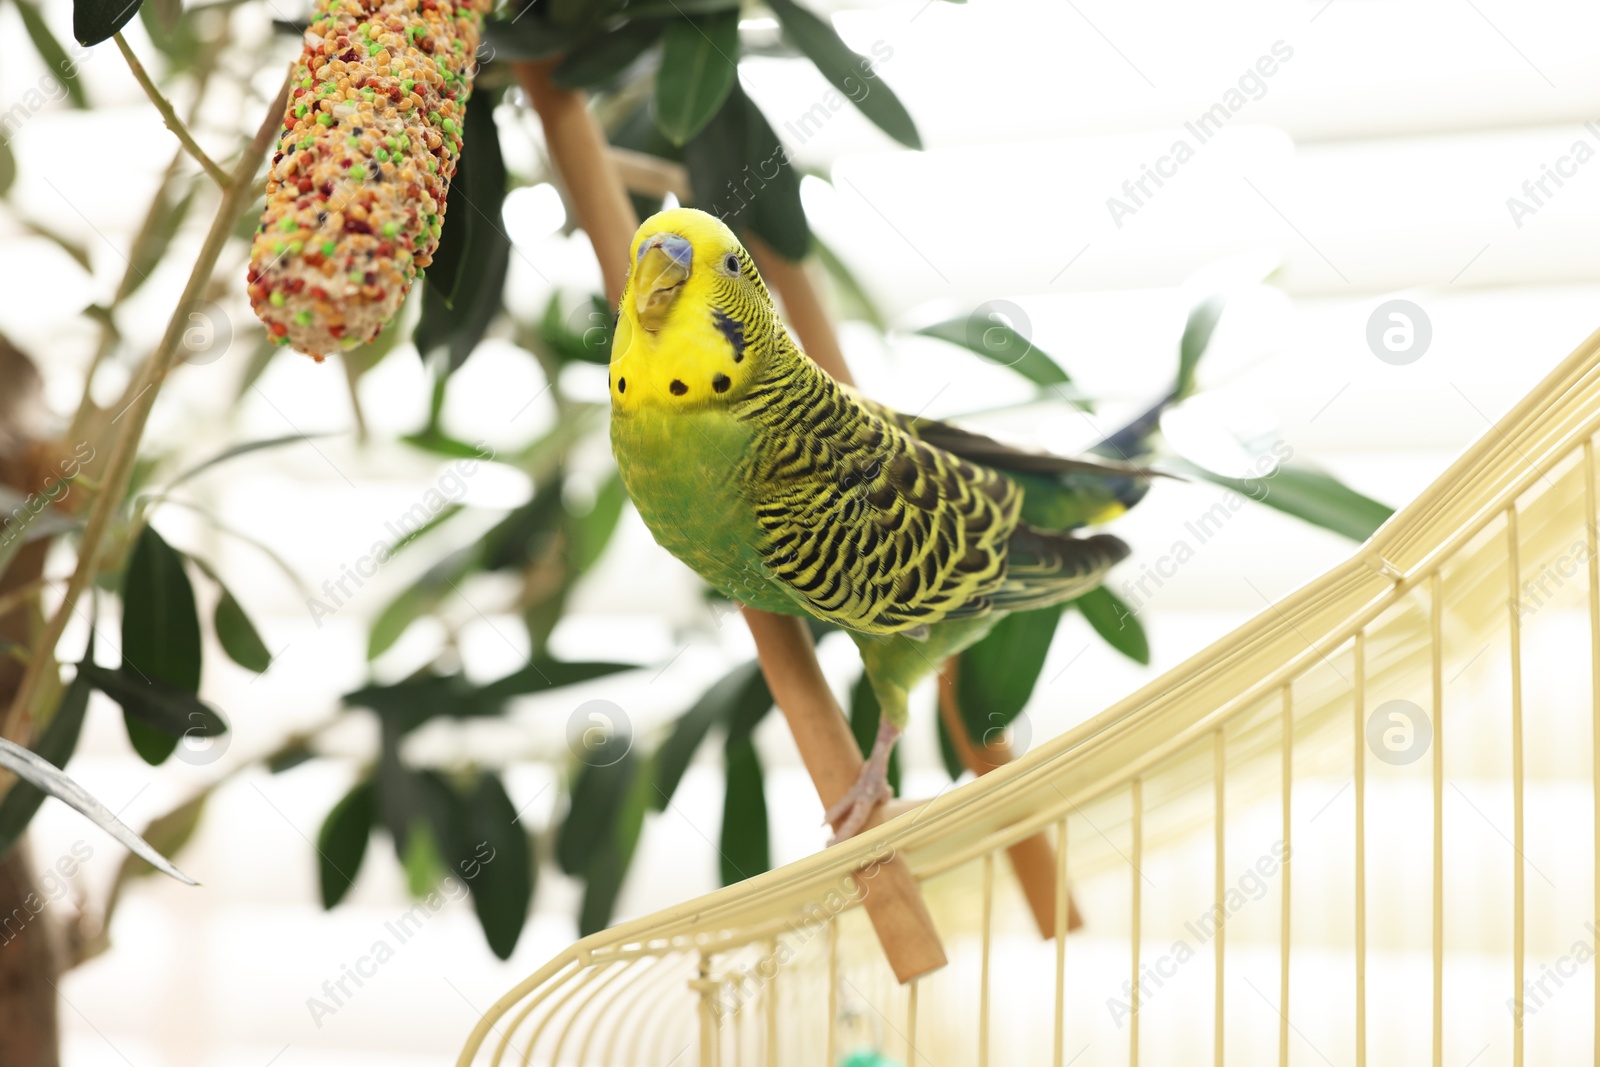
(1406, 747)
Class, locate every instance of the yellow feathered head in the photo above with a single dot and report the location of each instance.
(695, 319)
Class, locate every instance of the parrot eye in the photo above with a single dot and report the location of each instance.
(730, 264)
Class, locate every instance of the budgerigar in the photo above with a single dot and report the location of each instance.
(792, 493)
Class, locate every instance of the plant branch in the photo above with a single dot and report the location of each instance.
(170, 117)
(124, 451)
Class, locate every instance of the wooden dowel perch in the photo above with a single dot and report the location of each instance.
(891, 896)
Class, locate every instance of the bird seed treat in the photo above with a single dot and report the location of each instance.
(356, 192)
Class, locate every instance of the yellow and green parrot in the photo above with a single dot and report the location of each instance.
(792, 493)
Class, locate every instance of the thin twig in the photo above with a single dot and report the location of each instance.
(119, 468)
(170, 117)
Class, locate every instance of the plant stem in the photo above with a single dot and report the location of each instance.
(124, 451)
(170, 117)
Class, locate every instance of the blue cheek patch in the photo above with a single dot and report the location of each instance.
(733, 331)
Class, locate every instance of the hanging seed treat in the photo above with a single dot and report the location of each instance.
(356, 194)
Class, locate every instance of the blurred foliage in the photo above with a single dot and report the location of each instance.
(663, 76)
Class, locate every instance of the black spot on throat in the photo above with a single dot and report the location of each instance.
(622, 385)
(720, 383)
(678, 388)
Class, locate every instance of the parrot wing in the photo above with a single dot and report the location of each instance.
(871, 527)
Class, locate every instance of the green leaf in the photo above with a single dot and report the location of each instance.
(526, 38)
(56, 745)
(1306, 493)
(167, 13)
(169, 710)
(496, 861)
(595, 801)
(642, 9)
(947, 751)
(524, 534)
(740, 696)
(850, 72)
(995, 340)
(1197, 331)
(998, 673)
(592, 531)
(743, 850)
(543, 674)
(602, 58)
(61, 66)
(422, 860)
(238, 635)
(167, 834)
(610, 864)
(1116, 622)
(865, 714)
(37, 771)
(699, 64)
(741, 173)
(242, 449)
(94, 21)
(467, 277)
(342, 842)
(426, 594)
(8, 168)
(155, 238)
(160, 629)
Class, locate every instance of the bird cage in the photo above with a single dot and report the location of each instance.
(1360, 829)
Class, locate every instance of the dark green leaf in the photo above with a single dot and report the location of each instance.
(543, 674)
(167, 834)
(406, 705)
(63, 68)
(741, 173)
(94, 21)
(947, 751)
(610, 864)
(55, 744)
(1197, 331)
(238, 636)
(865, 714)
(524, 534)
(467, 277)
(496, 861)
(290, 757)
(602, 58)
(525, 38)
(160, 629)
(342, 842)
(738, 693)
(743, 850)
(596, 800)
(850, 72)
(1116, 622)
(8, 168)
(168, 709)
(1306, 493)
(997, 674)
(699, 64)
(994, 339)
(436, 583)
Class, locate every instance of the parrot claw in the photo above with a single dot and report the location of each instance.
(850, 813)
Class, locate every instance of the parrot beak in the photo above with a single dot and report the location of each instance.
(664, 262)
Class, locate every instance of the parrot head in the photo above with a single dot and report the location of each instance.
(693, 318)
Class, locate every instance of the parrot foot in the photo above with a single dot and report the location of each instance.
(850, 812)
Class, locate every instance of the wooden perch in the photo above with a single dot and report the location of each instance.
(891, 896)
(1033, 860)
